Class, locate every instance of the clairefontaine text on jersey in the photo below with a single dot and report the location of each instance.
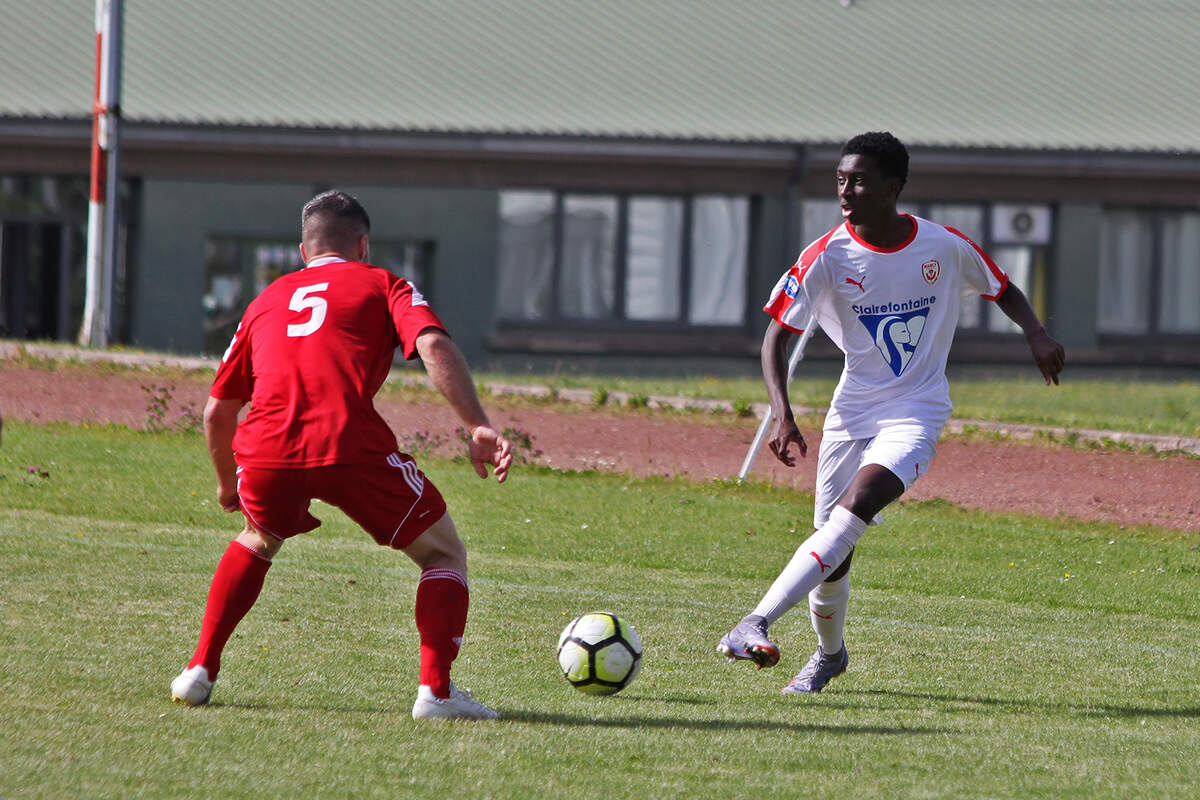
(895, 308)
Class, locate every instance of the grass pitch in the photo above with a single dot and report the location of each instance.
(991, 656)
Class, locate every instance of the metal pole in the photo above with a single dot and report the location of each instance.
(112, 198)
(797, 354)
(102, 194)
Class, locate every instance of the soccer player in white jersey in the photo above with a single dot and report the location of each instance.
(886, 288)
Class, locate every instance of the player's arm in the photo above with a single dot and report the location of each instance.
(1048, 354)
(220, 423)
(448, 371)
(775, 369)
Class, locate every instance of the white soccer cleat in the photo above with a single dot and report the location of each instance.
(192, 686)
(459, 705)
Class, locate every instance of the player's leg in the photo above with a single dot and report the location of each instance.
(268, 497)
(401, 509)
(836, 467)
(827, 604)
(872, 488)
(443, 597)
(235, 587)
(891, 463)
(441, 611)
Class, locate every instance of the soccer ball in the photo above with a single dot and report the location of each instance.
(599, 653)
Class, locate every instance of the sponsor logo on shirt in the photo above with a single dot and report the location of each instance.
(791, 286)
(896, 329)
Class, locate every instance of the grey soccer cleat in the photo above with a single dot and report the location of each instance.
(748, 640)
(819, 670)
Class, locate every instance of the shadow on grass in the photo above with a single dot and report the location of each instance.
(633, 721)
(1080, 709)
(713, 724)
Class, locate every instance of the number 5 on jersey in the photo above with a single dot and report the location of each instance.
(302, 301)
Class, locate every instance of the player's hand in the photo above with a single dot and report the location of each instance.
(784, 434)
(489, 447)
(227, 496)
(1048, 354)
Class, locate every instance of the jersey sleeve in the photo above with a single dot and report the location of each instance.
(235, 378)
(981, 275)
(792, 300)
(411, 315)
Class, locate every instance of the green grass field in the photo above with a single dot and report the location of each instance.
(992, 656)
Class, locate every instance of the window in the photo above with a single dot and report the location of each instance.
(1126, 250)
(43, 250)
(720, 251)
(623, 258)
(654, 258)
(587, 284)
(526, 261)
(236, 270)
(1149, 273)
(1179, 288)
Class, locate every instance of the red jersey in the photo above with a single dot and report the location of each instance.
(309, 355)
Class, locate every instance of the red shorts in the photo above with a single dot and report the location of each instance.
(392, 500)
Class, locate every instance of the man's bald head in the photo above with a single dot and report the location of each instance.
(333, 222)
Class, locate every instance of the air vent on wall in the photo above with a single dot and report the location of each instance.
(1021, 224)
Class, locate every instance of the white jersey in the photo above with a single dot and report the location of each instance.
(893, 313)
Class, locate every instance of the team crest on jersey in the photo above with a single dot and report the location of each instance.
(930, 271)
(896, 335)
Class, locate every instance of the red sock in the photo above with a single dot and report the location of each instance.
(235, 587)
(442, 599)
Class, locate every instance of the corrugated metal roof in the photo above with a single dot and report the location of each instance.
(1072, 74)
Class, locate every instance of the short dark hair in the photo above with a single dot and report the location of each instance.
(337, 212)
(888, 151)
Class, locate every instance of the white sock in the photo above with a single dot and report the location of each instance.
(814, 561)
(828, 603)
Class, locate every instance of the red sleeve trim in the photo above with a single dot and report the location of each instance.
(815, 249)
(1000, 275)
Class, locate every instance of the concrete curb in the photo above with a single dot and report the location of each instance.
(11, 349)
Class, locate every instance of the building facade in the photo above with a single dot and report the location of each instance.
(586, 235)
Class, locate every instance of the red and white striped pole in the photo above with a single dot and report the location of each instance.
(102, 200)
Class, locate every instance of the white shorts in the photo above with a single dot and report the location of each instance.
(906, 451)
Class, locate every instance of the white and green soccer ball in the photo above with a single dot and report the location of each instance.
(599, 653)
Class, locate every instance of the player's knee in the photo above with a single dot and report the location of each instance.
(872, 490)
(439, 547)
(261, 543)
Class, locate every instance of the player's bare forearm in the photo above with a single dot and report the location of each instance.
(1047, 352)
(775, 373)
(774, 368)
(220, 423)
(447, 369)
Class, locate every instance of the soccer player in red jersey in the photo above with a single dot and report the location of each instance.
(309, 355)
